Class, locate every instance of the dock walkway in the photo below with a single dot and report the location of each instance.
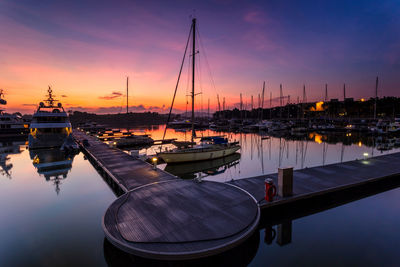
(317, 181)
(128, 173)
(160, 216)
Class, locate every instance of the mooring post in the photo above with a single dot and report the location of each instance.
(284, 235)
(285, 181)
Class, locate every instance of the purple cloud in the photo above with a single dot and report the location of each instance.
(113, 95)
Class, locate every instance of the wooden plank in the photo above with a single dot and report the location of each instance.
(127, 172)
(315, 181)
(181, 219)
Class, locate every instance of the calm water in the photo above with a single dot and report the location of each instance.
(51, 213)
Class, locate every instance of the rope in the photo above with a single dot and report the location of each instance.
(177, 84)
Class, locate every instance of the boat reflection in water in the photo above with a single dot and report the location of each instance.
(54, 164)
(189, 170)
(6, 149)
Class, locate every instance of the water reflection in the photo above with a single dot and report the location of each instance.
(277, 229)
(262, 153)
(9, 148)
(241, 255)
(201, 169)
(54, 164)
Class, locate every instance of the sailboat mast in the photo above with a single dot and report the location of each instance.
(193, 70)
(262, 102)
(208, 109)
(127, 82)
(376, 96)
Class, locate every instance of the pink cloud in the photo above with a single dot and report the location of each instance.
(255, 17)
(111, 96)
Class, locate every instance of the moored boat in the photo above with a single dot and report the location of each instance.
(209, 147)
(11, 125)
(50, 125)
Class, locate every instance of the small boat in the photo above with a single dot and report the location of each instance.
(210, 147)
(50, 124)
(134, 140)
(208, 167)
(111, 134)
(11, 125)
(394, 127)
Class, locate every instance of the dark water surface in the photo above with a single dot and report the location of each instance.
(51, 213)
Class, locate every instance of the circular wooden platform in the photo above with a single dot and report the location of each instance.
(181, 219)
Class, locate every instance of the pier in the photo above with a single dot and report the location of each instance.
(318, 181)
(123, 170)
(162, 217)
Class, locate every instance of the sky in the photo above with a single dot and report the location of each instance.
(85, 50)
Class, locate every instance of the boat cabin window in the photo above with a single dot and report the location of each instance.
(50, 119)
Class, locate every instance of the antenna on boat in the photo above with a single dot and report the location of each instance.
(50, 100)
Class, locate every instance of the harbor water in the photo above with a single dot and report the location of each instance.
(52, 205)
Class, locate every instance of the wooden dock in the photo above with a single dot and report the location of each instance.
(162, 217)
(125, 171)
(317, 181)
(181, 219)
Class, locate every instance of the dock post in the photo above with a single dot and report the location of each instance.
(284, 235)
(285, 181)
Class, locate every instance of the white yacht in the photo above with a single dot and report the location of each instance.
(50, 124)
(11, 124)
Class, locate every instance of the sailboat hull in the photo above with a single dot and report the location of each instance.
(175, 157)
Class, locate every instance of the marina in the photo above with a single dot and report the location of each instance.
(266, 225)
(199, 133)
(133, 208)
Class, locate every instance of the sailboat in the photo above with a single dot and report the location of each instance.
(210, 147)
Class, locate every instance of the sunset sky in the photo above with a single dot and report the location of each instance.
(85, 50)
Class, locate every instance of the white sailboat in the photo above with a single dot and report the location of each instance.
(209, 147)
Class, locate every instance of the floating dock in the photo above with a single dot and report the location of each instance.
(317, 181)
(160, 216)
(125, 171)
